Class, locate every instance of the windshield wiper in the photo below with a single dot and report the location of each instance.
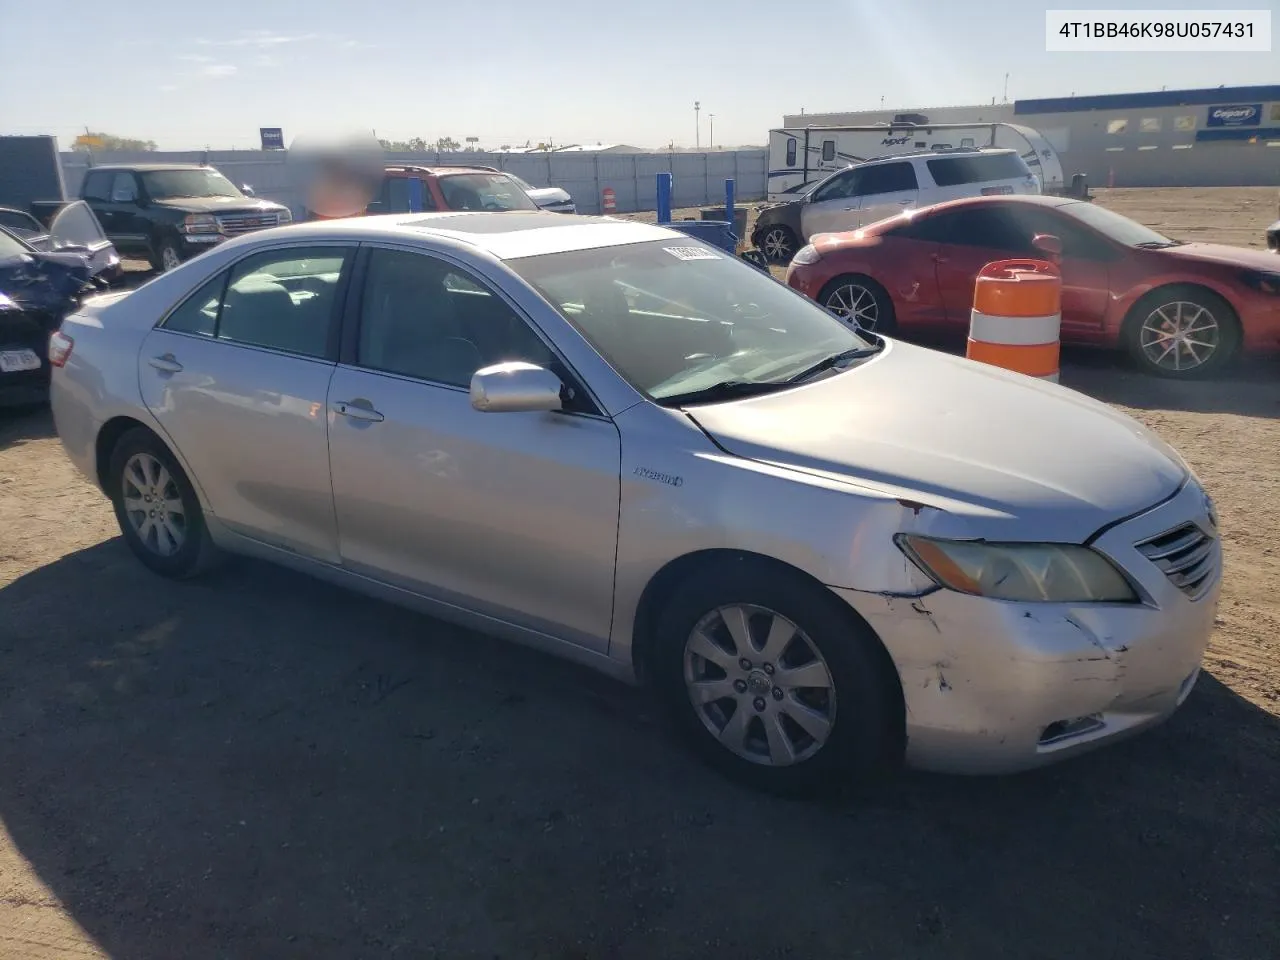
(835, 360)
(724, 390)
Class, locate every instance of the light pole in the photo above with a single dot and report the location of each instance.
(711, 137)
(697, 125)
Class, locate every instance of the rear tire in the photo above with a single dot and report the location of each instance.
(1182, 333)
(856, 298)
(157, 507)
(812, 712)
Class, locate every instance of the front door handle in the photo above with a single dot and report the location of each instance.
(166, 363)
(358, 409)
(905, 203)
(939, 258)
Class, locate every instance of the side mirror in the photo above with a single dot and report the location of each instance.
(247, 190)
(374, 206)
(1047, 243)
(515, 387)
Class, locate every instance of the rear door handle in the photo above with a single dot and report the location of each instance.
(905, 203)
(358, 409)
(166, 363)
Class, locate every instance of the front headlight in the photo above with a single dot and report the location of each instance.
(1262, 281)
(285, 217)
(199, 223)
(807, 254)
(1026, 572)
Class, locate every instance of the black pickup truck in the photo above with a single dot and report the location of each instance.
(167, 213)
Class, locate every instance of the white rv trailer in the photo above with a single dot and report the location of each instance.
(799, 157)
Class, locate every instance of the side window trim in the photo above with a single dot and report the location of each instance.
(352, 319)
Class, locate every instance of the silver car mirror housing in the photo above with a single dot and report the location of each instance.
(514, 387)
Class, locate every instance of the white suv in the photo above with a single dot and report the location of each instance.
(884, 187)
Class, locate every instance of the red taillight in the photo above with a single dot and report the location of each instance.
(59, 348)
(996, 191)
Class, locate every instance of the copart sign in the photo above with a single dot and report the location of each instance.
(1235, 115)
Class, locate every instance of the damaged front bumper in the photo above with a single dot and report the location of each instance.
(993, 686)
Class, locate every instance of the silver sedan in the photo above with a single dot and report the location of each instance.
(826, 551)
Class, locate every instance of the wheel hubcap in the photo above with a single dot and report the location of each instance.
(854, 304)
(1180, 336)
(759, 685)
(153, 505)
(776, 244)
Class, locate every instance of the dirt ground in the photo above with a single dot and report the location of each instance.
(259, 766)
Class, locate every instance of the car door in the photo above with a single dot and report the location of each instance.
(968, 239)
(1085, 267)
(885, 190)
(237, 376)
(513, 515)
(128, 228)
(832, 206)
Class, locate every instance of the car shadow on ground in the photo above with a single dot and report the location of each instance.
(24, 424)
(260, 765)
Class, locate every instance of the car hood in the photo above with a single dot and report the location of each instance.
(991, 454)
(1221, 253)
(219, 205)
(548, 195)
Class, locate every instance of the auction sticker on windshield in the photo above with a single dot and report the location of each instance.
(691, 253)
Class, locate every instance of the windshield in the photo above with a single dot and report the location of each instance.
(523, 184)
(1118, 228)
(169, 184)
(675, 317)
(10, 246)
(484, 191)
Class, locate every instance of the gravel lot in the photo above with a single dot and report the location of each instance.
(257, 765)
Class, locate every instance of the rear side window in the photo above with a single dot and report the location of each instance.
(398, 195)
(956, 171)
(279, 299)
(886, 178)
(97, 185)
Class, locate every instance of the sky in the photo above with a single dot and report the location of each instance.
(209, 74)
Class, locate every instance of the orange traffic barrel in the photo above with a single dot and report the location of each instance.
(609, 200)
(1017, 317)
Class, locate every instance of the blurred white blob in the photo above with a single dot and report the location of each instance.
(336, 176)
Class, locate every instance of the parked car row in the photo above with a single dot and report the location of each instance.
(619, 444)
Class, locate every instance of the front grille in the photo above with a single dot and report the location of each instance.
(1188, 557)
(234, 224)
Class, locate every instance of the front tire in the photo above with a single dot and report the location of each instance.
(778, 243)
(157, 507)
(167, 256)
(857, 299)
(1182, 333)
(773, 682)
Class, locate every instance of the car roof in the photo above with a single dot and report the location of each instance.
(936, 154)
(508, 236)
(1030, 199)
(437, 169)
(146, 167)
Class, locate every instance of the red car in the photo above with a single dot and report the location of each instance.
(1179, 309)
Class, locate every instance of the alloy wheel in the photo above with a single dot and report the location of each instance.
(777, 244)
(759, 685)
(169, 259)
(153, 505)
(1180, 337)
(855, 304)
